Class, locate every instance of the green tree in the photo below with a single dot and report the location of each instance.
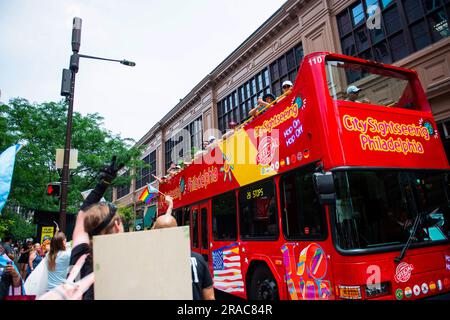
(127, 215)
(5, 225)
(41, 127)
(17, 227)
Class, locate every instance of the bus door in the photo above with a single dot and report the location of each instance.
(199, 230)
(306, 251)
(195, 243)
(203, 230)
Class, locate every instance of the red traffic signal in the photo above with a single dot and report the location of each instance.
(54, 189)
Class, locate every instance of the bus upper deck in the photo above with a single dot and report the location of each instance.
(347, 168)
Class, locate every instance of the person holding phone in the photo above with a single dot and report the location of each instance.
(10, 279)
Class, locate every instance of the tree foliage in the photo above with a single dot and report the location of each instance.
(16, 227)
(127, 215)
(41, 128)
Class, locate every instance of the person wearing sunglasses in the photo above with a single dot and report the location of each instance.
(263, 102)
(286, 86)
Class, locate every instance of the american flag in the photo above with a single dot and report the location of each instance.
(227, 269)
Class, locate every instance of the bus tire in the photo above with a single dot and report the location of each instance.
(263, 285)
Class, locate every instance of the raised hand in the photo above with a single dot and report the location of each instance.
(109, 172)
(107, 175)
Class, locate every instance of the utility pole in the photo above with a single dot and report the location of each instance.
(68, 90)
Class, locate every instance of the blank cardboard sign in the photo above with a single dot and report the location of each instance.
(145, 265)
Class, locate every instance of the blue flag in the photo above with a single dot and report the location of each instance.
(7, 159)
(152, 189)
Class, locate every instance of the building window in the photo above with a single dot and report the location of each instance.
(224, 226)
(235, 106)
(285, 68)
(406, 27)
(189, 143)
(196, 132)
(145, 175)
(258, 211)
(124, 189)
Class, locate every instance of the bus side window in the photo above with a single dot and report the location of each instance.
(195, 228)
(258, 211)
(224, 225)
(179, 217)
(186, 216)
(303, 217)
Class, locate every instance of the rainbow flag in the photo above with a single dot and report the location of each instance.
(148, 194)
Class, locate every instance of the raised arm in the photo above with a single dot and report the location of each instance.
(31, 259)
(169, 201)
(107, 175)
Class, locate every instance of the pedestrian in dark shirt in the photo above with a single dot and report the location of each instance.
(202, 283)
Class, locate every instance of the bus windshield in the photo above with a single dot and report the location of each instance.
(356, 82)
(377, 208)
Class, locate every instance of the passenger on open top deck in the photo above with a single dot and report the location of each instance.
(232, 126)
(352, 95)
(263, 102)
(287, 87)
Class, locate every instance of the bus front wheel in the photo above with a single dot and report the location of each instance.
(263, 285)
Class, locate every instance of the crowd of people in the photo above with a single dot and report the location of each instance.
(64, 262)
(19, 260)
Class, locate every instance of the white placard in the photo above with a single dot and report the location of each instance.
(73, 159)
(145, 265)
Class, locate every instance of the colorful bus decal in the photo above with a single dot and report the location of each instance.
(305, 279)
(227, 269)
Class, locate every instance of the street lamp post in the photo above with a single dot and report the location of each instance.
(68, 90)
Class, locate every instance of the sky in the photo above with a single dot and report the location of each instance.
(175, 44)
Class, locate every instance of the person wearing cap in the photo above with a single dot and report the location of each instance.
(352, 95)
(263, 102)
(173, 169)
(286, 86)
(211, 139)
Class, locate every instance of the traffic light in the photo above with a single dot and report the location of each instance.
(54, 189)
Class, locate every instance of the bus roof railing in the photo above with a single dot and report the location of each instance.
(240, 126)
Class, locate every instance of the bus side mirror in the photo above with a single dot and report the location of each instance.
(324, 186)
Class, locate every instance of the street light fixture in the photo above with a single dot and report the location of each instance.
(68, 90)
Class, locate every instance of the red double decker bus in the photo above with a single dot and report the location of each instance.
(338, 190)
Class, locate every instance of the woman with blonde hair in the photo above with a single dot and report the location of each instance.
(58, 260)
(34, 258)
